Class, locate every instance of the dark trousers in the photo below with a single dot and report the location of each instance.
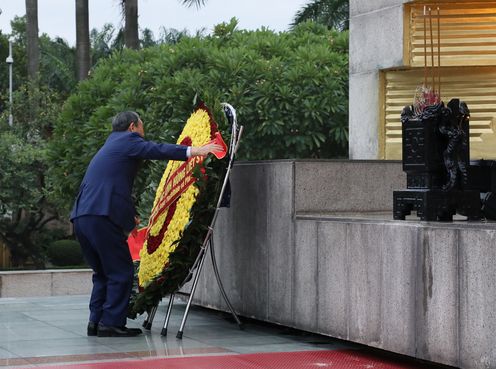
(105, 248)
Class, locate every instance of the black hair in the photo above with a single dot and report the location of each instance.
(122, 120)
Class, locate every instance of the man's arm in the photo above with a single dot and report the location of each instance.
(154, 151)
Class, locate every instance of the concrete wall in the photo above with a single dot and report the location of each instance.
(269, 184)
(45, 283)
(287, 254)
(376, 42)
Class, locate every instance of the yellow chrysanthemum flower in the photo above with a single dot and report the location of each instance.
(198, 130)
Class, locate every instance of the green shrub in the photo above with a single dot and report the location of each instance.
(290, 91)
(25, 212)
(65, 253)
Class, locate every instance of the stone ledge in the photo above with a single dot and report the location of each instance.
(379, 217)
(50, 282)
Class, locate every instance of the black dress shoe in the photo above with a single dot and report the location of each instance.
(92, 329)
(109, 331)
(136, 330)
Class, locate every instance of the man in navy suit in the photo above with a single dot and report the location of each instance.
(104, 215)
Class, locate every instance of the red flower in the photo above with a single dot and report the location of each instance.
(153, 242)
(186, 141)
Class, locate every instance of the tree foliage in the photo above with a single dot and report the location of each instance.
(58, 59)
(24, 206)
(26, 214)
(331, 13)
(290, 91)
(130, 17)
(57, 69)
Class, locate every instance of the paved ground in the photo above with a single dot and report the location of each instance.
(39, 332)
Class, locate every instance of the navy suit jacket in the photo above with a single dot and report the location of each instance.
(108, 182)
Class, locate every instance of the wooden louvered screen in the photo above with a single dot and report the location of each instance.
(476, 86)
(468, 33)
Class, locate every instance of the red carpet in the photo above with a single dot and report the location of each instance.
(339, 359)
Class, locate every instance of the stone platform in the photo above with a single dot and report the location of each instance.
(313, 245)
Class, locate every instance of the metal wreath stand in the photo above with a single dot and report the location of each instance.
(208, 242)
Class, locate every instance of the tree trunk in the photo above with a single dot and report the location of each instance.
(33, 47)
(131, 39)
(82, 39)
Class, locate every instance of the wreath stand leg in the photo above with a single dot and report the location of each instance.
(147, 324)
(167, 316)
(209, 242)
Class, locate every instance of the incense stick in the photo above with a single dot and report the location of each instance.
(432, 51)
(439, 51)
(425, 45)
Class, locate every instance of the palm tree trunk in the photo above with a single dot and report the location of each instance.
(131, 39)
(82, 39)
(33, 47)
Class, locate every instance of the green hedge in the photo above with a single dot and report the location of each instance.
(290, 90)
(65, 253)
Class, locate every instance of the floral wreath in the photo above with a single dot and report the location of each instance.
(182, 210)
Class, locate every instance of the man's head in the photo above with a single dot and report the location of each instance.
(128, 121)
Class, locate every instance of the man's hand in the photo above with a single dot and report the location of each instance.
(205, 149)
